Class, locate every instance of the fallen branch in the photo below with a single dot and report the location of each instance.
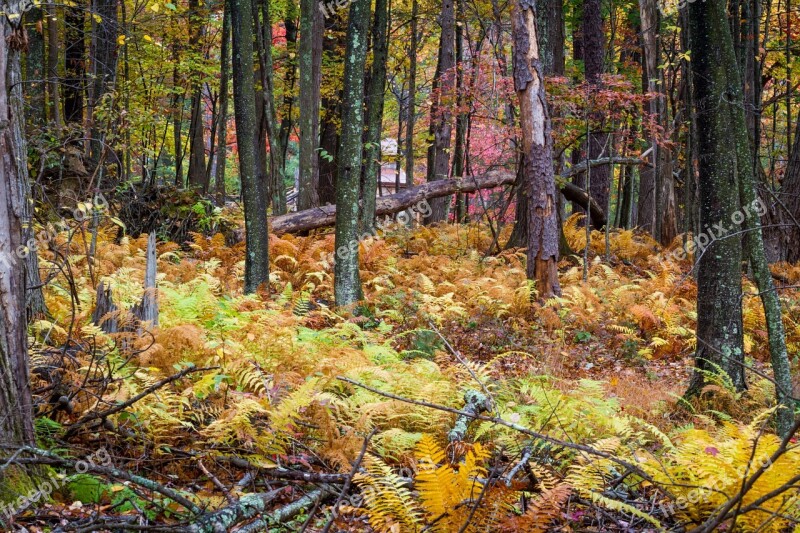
(124, 405)
(516, 427)
(287, 512)
(349, 481)
(247, 507)
(320, 217)
(284, 473)
(475, 403)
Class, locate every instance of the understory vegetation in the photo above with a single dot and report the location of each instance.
(582, 425)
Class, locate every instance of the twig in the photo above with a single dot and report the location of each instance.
(346, 487)
(216, 482)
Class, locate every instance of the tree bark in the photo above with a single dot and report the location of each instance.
(104, 67)
(269, 119)
(35, 67)
(375, 100)
(323, 216)
(16, 412)
(717, 91)
(222, 126)
(253, 194)
(310, 59)
(537, 143)
(412, 95)
(74, 63)
(347, 281)
(441, 115)
(53, 48)
(196, 173)
(593, 56)
(782, 240)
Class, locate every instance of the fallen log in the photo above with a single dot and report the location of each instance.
(320, 217)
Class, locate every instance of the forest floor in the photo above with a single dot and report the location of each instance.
(604, 365)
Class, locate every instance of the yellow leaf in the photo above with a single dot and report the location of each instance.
(121, 40)
(97, 18)
(148, 38)
(155, 7)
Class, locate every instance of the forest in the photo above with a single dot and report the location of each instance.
(401, 266)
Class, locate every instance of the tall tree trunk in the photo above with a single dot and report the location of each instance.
(783, 239)
(104, 67)
(462, 119)
(310, 58)
(16, 412)
(253, 194)
(289, 81)
(593, 57)
(441, 114)
(550, 27)
(74, 63)
(411, 108)
(53, 48)
(537, 143)
(35, 67)
(347, 281)
(269, 120)
(222, 126)
(196, 173)
(329, 126)
(375, 99)
(719, 283)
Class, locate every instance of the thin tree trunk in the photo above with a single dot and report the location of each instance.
(311, 29)
(53, 48)
(375, 100)
(269, 120)
(347, 281)
(253, 194)
(74, 63)
(441, 114)
(412, 95)
(35, 67)
(593, 57)
(104, 67)
(222, 126)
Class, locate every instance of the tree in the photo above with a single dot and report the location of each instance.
(441, 115)
(593, 58)
(375, 99)
(104, 66)
(74, 62)
(196, 172)
(34, 67)
(222, 125)
(719, 280)
(16, 411)
(537, 144)
(310, 60)
(253, 194)
(347, 281)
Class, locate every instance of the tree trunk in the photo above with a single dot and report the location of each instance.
(375, 99)
(782, 240)
(537, 143)
(222, 125)
(719, 283)
(34, 68)
(196, 173)
(311, 30)
(253, 194)
(74, 63)
(16, 412)
(269, 120)
(412, 95)
(53, 48)
(441, 114)
(593, 56)
(323, 216)
(347, 281)
(104, 67)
